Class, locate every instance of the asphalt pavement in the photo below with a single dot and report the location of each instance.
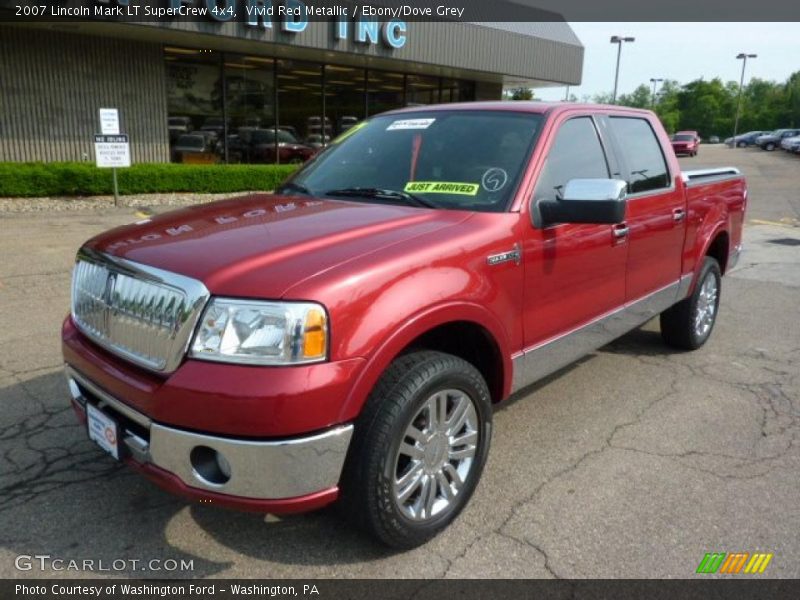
(633, 462)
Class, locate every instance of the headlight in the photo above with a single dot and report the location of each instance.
(261, 333)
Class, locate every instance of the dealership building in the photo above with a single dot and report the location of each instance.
(220, 85)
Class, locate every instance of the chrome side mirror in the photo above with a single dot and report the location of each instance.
(586, 201)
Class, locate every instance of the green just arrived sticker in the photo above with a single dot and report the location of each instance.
(442, 187)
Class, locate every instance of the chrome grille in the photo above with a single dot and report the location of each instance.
(141, 313)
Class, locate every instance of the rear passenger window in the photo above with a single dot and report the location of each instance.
(639, 144)
(576, 153)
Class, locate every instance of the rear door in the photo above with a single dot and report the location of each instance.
(656, 212)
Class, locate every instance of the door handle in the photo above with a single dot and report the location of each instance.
(621, 231)
(678, 214)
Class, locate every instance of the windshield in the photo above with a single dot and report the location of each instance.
(682, 138)
(469, 160)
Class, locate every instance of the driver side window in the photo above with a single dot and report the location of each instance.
(576, 153)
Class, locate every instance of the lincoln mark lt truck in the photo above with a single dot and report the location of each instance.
(347, 337)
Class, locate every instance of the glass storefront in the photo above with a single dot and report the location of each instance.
(233, 108)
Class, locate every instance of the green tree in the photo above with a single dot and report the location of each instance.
(641, 97)
(710, 106)
(520, 93)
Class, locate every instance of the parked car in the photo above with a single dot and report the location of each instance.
(194, 147)
(346, 122)
(788, 143)
(744, 139)
(714, 139)
(288, 128)
(271, 145)
(177, 126)
(314, 125)
(795, 146)
(685, 143)
(772, 140)
(317, 141)
(350, 336)
(215, 125)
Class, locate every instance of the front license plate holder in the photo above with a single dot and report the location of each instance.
(103, 430)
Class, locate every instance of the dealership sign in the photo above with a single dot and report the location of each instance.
(358, 23)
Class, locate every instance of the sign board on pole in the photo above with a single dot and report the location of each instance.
(112, 151)
(109, 121)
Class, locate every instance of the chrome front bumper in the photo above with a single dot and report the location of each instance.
(275, 469)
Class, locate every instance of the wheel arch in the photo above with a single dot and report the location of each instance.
(465, 330)
(719, 249)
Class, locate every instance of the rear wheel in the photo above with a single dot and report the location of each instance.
(741, 144)
(688, 324)
(770, 147)
(419, 448)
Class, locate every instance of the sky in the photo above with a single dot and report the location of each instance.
(681, 51)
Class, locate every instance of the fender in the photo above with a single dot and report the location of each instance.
(720, 226)
(412, 328)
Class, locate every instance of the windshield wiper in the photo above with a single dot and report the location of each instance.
(364, 192)
(294, 187)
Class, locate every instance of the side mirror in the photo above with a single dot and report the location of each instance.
(586, 201)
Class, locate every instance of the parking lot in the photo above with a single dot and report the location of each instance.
(632, 463)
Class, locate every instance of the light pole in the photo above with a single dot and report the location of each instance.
(655, 82)
(743, 57)
(616, 39)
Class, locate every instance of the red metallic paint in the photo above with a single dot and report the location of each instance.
(237, 400)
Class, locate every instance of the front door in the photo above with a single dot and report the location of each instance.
(574, 273)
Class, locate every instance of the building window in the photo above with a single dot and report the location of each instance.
(385, 91)
(456, 90)
(344, 100)
(238, 108)
(422, 89)
(249, 104)
(194, 104)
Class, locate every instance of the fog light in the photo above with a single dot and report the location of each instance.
(210, 466)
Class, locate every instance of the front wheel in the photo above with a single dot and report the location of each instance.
(769, 147)
(688, 324)
(419, 448)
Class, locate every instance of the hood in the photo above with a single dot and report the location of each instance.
(261, 245)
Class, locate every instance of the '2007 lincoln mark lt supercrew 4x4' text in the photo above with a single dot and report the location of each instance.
(347, 337)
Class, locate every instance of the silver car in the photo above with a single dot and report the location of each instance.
(772, 140)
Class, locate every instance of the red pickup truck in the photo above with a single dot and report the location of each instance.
(349, 336)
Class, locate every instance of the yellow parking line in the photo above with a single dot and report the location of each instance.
(776, 223)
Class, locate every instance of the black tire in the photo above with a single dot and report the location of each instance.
(742, 144)
(769, 147)
(368, 481)
(679, 327)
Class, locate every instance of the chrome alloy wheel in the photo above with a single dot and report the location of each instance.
(706, 306)
(436, 455)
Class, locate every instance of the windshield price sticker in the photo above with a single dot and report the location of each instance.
(442, 187)
(410, 124)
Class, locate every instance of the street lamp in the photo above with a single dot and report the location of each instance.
(655, 82)
(616, 39)
(743, 57)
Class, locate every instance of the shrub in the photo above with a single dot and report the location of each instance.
(84, 179)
